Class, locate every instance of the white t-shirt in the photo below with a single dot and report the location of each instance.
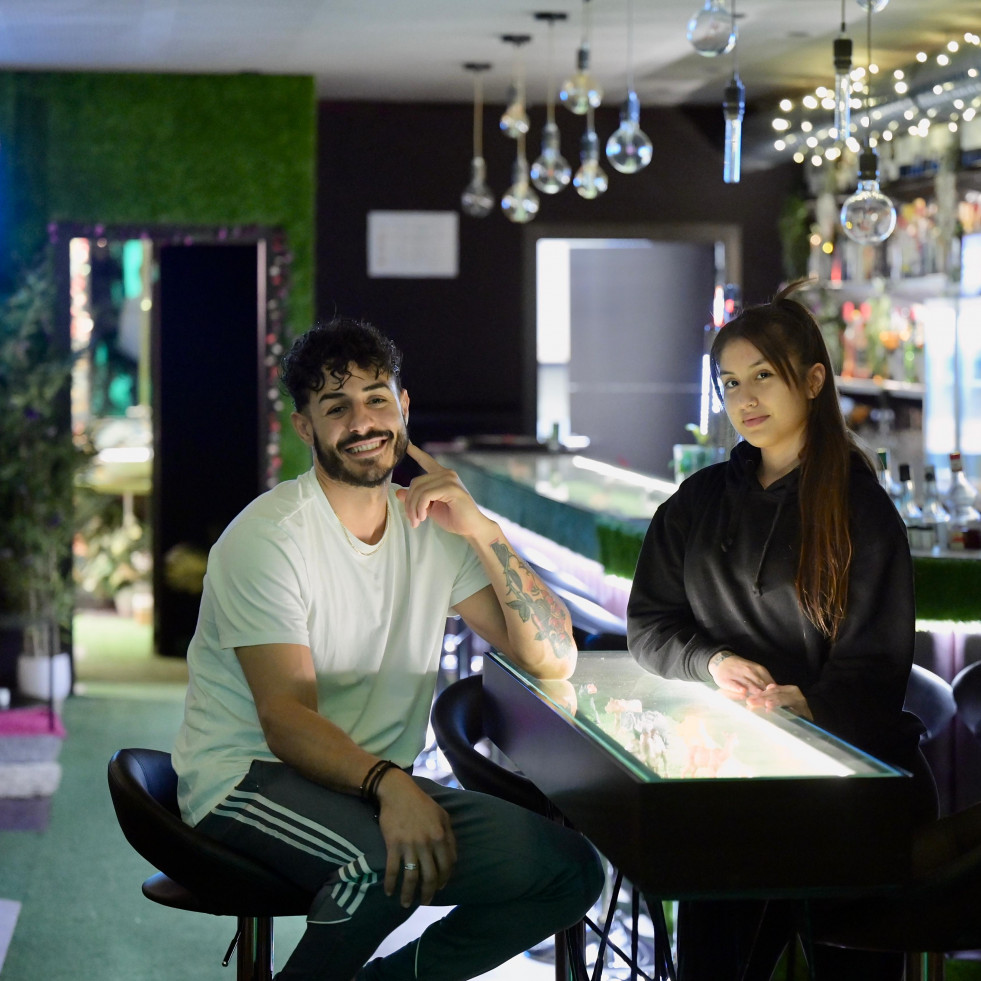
(286, 571)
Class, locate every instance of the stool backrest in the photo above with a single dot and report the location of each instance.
(931, 700)
(143, 786)
(967, 695)
(458, 723)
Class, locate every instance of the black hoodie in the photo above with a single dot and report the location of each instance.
(716, 572)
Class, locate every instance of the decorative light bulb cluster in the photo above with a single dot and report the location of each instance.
(938, 90)
(629, 149)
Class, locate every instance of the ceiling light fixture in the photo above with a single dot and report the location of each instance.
(843, 81)
(629, 149)
(520, 202)
(590, 180)
(868, 216)
(733, 108)
(712, 31)
(551, 172)
(514, 120)
(477, 199)
(581, 92)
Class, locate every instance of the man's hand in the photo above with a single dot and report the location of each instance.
(418, 837)
(439, 494)
(736, 674)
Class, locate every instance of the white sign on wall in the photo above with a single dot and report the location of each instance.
(413, 244)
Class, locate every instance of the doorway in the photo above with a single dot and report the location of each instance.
(176, 334)
(620, 324)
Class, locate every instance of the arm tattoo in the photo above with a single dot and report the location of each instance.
(536, 604)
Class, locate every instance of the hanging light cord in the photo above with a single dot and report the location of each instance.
(630, 46)
(735, 44)
(868, 84)
(478, 115)
(550, 106)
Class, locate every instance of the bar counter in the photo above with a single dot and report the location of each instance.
(602, 512)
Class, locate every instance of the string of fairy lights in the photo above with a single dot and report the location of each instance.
(941, 91)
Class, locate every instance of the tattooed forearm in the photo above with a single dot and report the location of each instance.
(532, 602)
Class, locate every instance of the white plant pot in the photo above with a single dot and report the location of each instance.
(45, 677)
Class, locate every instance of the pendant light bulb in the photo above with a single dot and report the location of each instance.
(581, 92)
(590, 180)
(520, 202)
(712, 31)
(868, 216)
(477, 199)
(843, 87)
(514, 120)
(874, 5)
(629, 149)
(551, 172)
(733, 108)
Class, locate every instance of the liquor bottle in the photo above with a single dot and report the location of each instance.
(885, 475)
(920, 536)
(965, 520)
(935, 515)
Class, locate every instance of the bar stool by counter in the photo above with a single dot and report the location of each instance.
(459, 725)
(197, 873)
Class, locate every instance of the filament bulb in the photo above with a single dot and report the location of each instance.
(868, 216)
(477, 199)
(733, 107)
(520, 202)
(629, 149)
(582, 91)
(712, 31)
(551, 172)
(514, 121)
(590, 180)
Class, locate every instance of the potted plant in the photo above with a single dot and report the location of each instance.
(38, 462)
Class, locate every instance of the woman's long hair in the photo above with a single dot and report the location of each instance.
(789, 338)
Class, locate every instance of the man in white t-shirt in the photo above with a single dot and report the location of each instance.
(312, 672)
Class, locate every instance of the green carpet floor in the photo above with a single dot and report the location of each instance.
(83, 915)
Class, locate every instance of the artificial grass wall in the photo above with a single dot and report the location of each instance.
(223, 151)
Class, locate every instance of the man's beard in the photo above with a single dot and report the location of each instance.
(338, 465)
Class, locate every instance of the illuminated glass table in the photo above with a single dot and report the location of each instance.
(690, 794)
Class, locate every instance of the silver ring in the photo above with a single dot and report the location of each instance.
(410, 867)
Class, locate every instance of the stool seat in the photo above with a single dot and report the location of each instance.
(198, 873)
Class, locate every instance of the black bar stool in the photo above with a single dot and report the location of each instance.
(198, 873)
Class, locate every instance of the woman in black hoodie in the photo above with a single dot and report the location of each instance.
(784, 577)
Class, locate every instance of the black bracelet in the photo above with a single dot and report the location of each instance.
(369, 785)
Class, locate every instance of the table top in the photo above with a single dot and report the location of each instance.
(671, 779)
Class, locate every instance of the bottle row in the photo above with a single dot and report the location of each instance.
(871, 339)
(934, 522)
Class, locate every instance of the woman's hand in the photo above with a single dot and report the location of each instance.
(781, 696)
(736, 674)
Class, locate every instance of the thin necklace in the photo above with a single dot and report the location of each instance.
(351, 539)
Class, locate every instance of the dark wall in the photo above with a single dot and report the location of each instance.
(464, 338)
